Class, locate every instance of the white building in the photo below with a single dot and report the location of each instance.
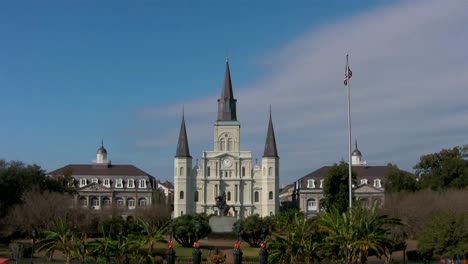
(102, 185)
(226, 170)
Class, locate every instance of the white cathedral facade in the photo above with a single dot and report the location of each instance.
(226, 171)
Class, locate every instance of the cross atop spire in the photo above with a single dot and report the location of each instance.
(182, 144)
(270, 144)
(227, 103)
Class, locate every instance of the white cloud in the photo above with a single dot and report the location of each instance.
(409, 90)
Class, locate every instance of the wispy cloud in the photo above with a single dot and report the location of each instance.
(409, 90)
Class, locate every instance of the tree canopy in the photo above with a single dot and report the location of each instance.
(336, 187)
(397, 180)
(17, 178)
(445, 169)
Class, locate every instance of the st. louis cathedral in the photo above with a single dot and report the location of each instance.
(226, 171)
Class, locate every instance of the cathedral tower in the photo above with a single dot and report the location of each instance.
(183, 204)
(270, 173)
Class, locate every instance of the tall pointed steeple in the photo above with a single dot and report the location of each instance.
(270, 144)
(182, 145)
(227, 103)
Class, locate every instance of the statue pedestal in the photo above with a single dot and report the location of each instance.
(222, 224)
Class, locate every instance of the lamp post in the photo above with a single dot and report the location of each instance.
(170, 254)
(196, 252)
(263, 251)
(346, 252)
(405, 237)
(82, 252)
(237, 246)
(33, 235)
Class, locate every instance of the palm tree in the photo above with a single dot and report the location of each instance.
(291, 242)
(352, 235)
(151, 234)
(63, 239)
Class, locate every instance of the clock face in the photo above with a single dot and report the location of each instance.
(227, 162)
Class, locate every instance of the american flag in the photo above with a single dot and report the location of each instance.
(348, 75)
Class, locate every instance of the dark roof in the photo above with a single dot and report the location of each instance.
(270, 144)
(356, 151)
(227, 103)
(101, 150)
(100, 170)
(362, 172)
(183, 150)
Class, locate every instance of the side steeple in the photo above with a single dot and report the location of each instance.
(227, 103)
(182, 144)
(270, 144)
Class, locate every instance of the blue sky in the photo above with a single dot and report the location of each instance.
(74, 71)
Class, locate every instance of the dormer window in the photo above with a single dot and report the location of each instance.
(142, 183)
(311, 184)
(71, 183)
(119, 183)
(377, 183)
(94, 180)
(131, 183)
(83, 182)
(363, 181)
(321, 184)
(107, 182)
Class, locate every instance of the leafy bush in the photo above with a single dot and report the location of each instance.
(184, 229)
(251, 229)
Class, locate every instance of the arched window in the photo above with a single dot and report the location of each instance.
(181, 195)
(131, 183)
(106, 202)
(229, 196)
(229, 146)
(364, 202)
(131, 203)
(95, 202)
(83, 201)
(142, 202)
(119, 201)
(221, 145)
(377, 183)
(270, 195)
(181, 171)
(256, 197)
(311, 205)
(195, 196)
(270, 171)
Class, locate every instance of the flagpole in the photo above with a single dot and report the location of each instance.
(349, 134)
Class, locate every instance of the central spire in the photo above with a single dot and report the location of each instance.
(182, 144)
(270, 145)
(227, 103)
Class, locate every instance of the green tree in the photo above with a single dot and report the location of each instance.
(251, 228)
(352, 235)
(17, 178)
(397, 180)
(151, 233)
(446, 235)
(294, 238)
(184, 228)
(336, 187)
(445, 169)
(62, 239)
